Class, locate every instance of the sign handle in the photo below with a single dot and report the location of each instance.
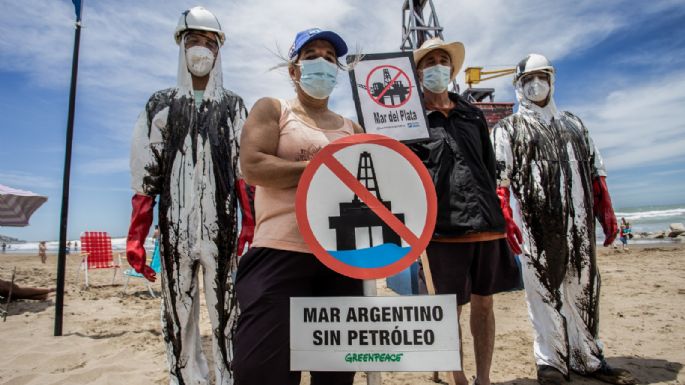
(431, 290)
(372, 378)
(427, 273)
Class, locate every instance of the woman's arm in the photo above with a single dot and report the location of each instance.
(258, 145)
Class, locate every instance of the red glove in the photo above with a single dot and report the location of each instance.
(514, 237)
(603, 210)
(141, 220)
(246, 200)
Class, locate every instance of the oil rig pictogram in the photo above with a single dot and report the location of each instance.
(395, 95)
(356, 214)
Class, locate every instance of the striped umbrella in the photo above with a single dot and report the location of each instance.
(17, 206)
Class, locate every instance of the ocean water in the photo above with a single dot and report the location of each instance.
(643, 219)
(652, 218)
(649, 219)
(118, 244)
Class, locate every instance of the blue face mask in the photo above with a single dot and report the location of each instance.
(319, 77)
(436, 78)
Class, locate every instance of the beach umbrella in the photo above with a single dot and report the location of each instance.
(17, 206)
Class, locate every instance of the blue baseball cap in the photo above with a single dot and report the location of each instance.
(304, 37)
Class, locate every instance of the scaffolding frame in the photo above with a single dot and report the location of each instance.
(415, 29)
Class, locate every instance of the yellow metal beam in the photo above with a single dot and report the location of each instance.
(474, 75)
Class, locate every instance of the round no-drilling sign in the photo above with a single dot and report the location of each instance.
(366, 206)
(388, 86)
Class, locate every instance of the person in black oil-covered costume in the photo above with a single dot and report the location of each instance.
(547, 159)
(185, 150)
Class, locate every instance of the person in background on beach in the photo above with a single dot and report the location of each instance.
(42, 248)
(625, 233)
(468, 255)
(279, 139)
(185, 149)
(68, 247)
(548, 160)
(4, 247)
(24, 292)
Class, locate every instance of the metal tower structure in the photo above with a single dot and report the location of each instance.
(417, 26)
(420, 23)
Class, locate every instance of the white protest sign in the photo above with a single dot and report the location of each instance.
(386, 334)
(387, 97)
(366, 206)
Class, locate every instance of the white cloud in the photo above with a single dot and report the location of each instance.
(20, 179)
(639, 125)
(127, 52)
(670, 172)
(36, 39)
(105, 166)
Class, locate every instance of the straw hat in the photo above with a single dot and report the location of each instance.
(454, 49)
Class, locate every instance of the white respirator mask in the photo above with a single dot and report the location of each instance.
(536, 90)
(200, 60)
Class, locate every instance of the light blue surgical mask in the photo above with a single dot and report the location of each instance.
(319, 77)
(436, 78)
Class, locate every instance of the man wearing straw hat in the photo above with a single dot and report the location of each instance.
(468, 255)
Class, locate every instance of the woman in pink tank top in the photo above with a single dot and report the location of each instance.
(278, 140)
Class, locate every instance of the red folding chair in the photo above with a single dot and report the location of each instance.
(96, 250)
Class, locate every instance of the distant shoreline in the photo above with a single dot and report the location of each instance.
(633, 242)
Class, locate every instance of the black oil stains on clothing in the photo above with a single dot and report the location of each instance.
(461, 161)
(211, 123)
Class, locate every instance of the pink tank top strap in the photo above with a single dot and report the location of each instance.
(285, 113)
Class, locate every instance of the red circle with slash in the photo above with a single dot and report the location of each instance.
(416, 242)
(388, 86)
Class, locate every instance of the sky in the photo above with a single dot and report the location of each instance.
(620, 67)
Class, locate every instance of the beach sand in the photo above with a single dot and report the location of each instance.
(112, 337)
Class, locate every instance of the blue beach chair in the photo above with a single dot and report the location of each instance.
(155, 264)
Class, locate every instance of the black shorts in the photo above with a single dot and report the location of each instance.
(481, 268)
(266, 280)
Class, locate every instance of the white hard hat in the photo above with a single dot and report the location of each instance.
(533, 63)
(200, 19)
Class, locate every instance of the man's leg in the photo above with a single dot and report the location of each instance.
(222, 311)
(450, 267)
(494, 270)
(544, 309)
(459, 376)
(581, 309)
(483, 332)
(180, 321)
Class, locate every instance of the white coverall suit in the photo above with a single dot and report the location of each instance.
(548, 160)
(189, 157)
